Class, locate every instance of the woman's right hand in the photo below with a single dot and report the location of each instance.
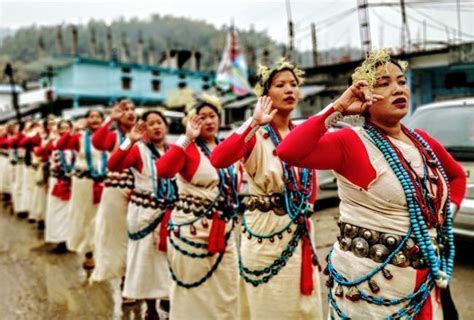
(137, 132)
(356, 99)
(193, 127)
(263, 113)
(80, 125)
(118, 110)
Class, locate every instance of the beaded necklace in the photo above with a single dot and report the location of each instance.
(296, 194)
(64, 166)
(440, 267)
(88, 154)
(164, 190)
(228, 192)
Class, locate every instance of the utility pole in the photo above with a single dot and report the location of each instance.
(458, 5)
(59, 40)
(405, 30)
(109, 49)
(141, 49)
(424, 35)
(364, 25)
(315, 44)
(9, 72)
(291, 36)
(125, 50)
(74, 51)
(93, 43)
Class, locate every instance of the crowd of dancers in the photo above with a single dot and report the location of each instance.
(167, 219)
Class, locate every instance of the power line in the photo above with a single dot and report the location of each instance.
(443, 28)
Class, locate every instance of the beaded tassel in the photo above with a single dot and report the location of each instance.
(216, 242)
(162, 244)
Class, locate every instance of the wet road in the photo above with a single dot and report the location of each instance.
(37, 284)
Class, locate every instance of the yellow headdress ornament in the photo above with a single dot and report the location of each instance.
(265, 74)
(377, 57)
(204, 100)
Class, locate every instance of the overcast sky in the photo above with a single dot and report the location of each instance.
(336, 21)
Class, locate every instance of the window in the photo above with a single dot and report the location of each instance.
(182, 76)
(155, 72)
(155, 85)
(126, 70)
(126, 83)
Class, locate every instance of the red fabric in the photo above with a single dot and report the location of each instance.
(14, 141)
(306, 281)
(105, 139)
(3, 142)
(163, 243)
(177, 160)
(69, 142)
(426, 312)
(454, 171)
(44, 151)
(310, 145)
(232, 149)
(121, 160)
(62, 190)
(30, 142)
(216, 242)
(97, 189)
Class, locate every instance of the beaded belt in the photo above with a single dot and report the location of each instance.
(365, 243)
(274, 202)
(189, 204)
(81, 174)
(19, 160)
(146, 199)
(122, 179)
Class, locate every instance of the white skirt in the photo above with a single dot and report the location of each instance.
(147, 275)
(18, 204)
(82, 212)
(28, 184)
(111, 238)
(38, 202)
(218, 296)
(5, 172)
(56, 218)
(280, 297)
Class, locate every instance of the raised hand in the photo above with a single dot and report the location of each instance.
(80, 125)
(193, 127)
(356, 99)
(118, 110)
(263, 112)
(138, 131)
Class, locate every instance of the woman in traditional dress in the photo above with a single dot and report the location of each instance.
(40, 164)
(111, 223)
(30, 140)
(202, 251)
(147, 275)
(399, 189)
(7, 167)
(87, 184)
(59, 192)
(279, 280)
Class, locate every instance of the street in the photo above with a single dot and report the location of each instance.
(36, 284)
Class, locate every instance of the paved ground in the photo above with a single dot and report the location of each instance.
(36, 284)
